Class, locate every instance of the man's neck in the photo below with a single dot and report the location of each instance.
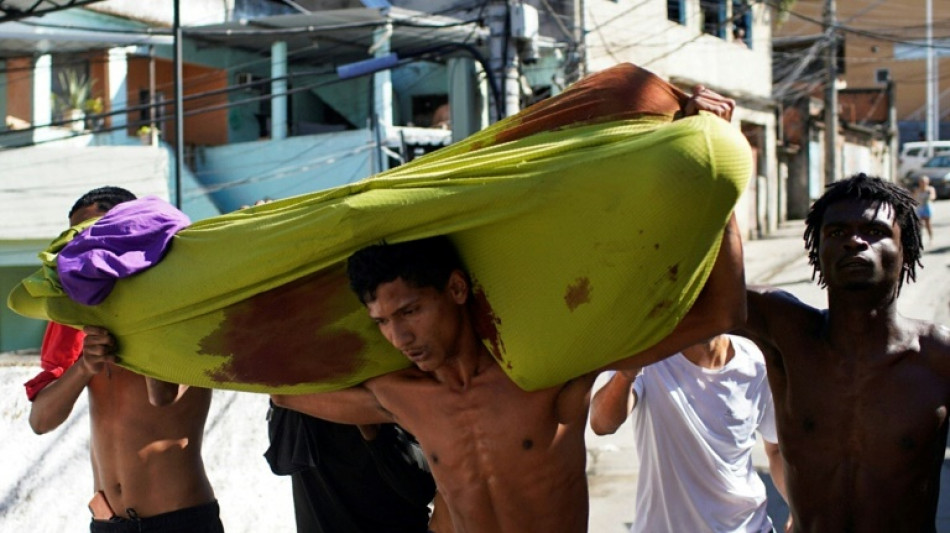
(470, 360)
(713, 354)
(861, 317)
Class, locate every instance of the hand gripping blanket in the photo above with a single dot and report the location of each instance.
(589, 223)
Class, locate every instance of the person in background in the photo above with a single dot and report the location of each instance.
(924, 193)
(695, 419)
(351, 479)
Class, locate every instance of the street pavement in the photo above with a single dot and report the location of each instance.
(45, 480)
(779, 260)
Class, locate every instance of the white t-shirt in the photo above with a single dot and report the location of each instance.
(694, 429)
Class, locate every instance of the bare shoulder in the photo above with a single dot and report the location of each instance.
(779, 298)
(934, 338)
(932, 344)
(773, 312)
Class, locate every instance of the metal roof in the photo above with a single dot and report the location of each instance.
(18, 9)
(341, 34)
(24, 38)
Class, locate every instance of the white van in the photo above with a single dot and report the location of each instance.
(915, 154)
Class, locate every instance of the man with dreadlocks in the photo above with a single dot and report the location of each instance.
(861, 393)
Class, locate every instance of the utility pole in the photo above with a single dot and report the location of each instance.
(179, 103)
(504, 57)
(580, 47)
(831, 94)
(892, 129)
(933, 103)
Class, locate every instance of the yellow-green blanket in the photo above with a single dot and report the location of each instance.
(589, 224)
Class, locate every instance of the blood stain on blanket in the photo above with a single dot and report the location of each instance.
(578, 293)
(280, 337)
(659, 308)
(673, 272)
(487, 322)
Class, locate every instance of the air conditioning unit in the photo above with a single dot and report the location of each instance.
(524, 22)
(243, 78)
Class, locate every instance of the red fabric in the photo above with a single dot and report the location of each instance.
(62, 345)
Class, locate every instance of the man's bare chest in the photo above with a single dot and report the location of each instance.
(873, 413)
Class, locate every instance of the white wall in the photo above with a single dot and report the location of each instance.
(192, 12)
(640, 33)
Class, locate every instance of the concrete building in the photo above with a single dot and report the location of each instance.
(881, 54)
(886, 41)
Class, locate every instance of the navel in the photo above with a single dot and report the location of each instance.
(527, 444)
(435, 459)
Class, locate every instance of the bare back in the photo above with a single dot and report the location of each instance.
(863, 434)
(144, 457)
(504, 459)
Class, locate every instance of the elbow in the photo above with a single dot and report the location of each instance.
(40, 425)
(603, 427)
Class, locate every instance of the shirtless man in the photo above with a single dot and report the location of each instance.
(861, 392)
(146, 460)
(504, 459)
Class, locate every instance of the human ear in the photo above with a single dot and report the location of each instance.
(457, 287)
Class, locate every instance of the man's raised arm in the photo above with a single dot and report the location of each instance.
(355, 405)
(52, 405)
(720, 307)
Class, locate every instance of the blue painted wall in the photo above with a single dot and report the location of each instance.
(240, 174)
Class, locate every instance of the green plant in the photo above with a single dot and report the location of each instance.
(93, 106)
(145, 130)
(76, 87)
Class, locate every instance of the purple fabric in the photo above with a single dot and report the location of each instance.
(130, 238)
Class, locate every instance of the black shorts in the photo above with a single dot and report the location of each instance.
(198, 519)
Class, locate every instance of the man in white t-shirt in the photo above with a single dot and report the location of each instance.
(695, 416)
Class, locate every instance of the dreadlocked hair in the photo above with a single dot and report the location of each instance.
(864, 187)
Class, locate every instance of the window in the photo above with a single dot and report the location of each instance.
(145, 112)
(882, 75)
(676, 11)
(714, 17)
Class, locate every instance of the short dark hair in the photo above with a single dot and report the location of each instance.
(864, 187)
(421, 263)
(104, 197)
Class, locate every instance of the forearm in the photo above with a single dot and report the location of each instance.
(355, 406)
(776, 467)
(52, 405)
(611, 405)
